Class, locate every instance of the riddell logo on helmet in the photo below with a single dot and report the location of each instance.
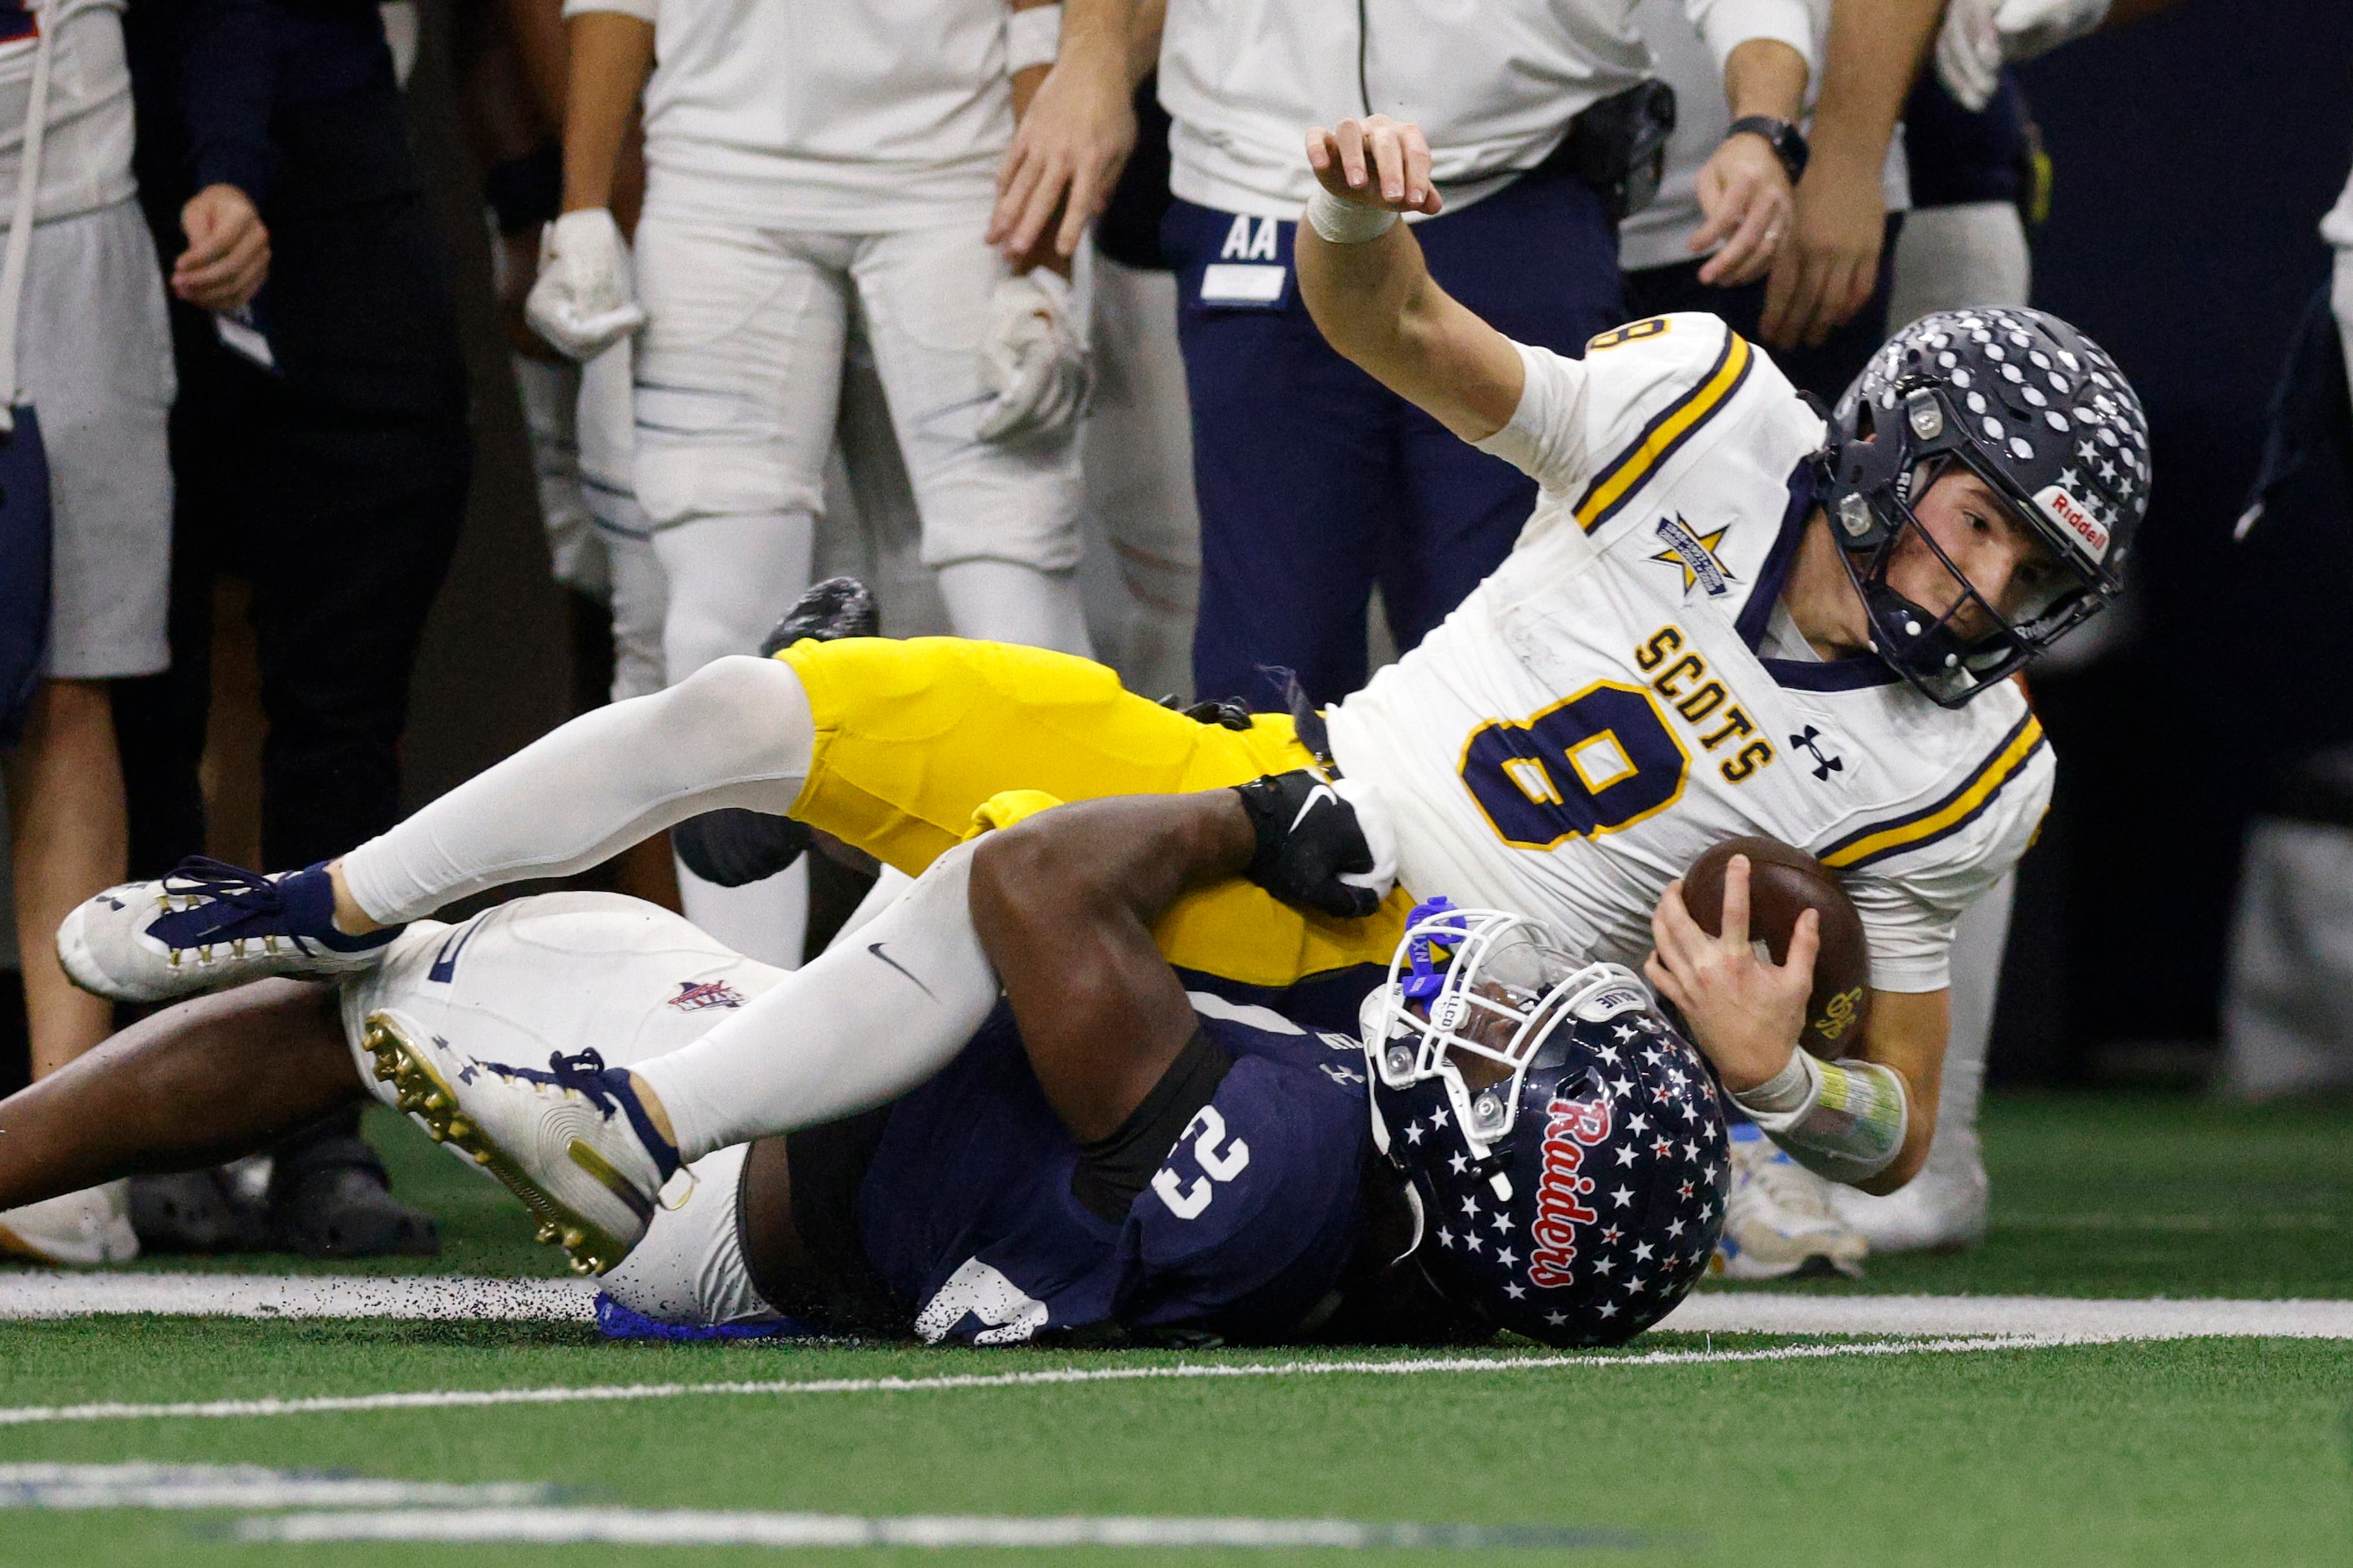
(1571, 1127)
(2070, 514)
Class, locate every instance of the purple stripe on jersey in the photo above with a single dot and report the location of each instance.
(1895, 823)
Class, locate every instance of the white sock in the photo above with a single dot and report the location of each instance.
(767, 919)
(999, 601)
(864, 1024)
(736, 732)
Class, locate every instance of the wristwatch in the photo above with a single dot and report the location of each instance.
(1789, 143)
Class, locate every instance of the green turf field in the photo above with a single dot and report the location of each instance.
(2193, 1451)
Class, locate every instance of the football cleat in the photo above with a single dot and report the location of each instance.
(1942, 1209)
(1778, 1224)
(209, 924)
(590, 1176)
(82, 1228)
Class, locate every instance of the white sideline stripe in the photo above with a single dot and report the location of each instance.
(80, 1486)
(443, 1399)
(648, 1527)
(1764, 1312)
(57, 1293)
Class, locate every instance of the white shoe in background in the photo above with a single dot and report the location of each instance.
(82, 1228)
(1778, 1224)
(1942, 1209)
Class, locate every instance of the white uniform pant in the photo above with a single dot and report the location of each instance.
(739, 372)
(567, 973)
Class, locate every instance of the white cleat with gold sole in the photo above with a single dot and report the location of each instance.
(564, 1139)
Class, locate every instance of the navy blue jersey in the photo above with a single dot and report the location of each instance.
(967, 1211)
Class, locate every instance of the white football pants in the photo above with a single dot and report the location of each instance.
(738, 381)
(735, 1049)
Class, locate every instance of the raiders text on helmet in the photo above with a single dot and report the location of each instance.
(1565, 1149)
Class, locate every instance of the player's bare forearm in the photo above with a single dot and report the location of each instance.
(535, 28)
(1375, 301)
(1063, 904)
(213, 1078)
(1765, 76)
(611, 57)
(1143, 30)
(1873, 58)
(1908, 1033)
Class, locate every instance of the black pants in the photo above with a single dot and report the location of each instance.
(336, 487)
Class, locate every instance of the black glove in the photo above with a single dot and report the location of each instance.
(1307, 835)
(732, 846)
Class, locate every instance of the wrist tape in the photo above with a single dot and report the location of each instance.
(1032, 37)
(1841, 1119)
(1345, 223)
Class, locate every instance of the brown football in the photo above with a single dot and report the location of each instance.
(1783, 881)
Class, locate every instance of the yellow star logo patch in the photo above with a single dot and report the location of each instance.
(1694, 553)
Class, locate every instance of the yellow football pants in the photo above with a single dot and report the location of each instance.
(913, 736)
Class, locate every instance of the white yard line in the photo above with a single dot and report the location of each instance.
(76, 1487)
(1766, 1312)
(1504, 1364)
(648, 1527)
(43, 1293)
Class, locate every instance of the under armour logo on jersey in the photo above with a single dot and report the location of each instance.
(1824, 763)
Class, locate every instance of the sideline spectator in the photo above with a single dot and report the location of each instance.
(321, 451)
(795, 176)
(92, 356)
(1663, 274)
(1314, 483)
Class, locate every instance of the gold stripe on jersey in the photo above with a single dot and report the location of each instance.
(1948, 815)
(1664, 435)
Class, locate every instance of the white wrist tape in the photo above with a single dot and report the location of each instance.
(1841, 1119)
(1032, 37)
(1345, 223)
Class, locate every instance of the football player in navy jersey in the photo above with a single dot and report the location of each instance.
(1108, 1155)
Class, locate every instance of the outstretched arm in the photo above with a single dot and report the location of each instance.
(1063, 902)
(1371, 292)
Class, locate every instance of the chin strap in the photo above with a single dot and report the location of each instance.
(1842, 1119)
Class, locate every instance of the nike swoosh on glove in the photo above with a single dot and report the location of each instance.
(1033, 361)
(585, 298)
(1312, 850)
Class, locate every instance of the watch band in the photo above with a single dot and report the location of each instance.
(1789, 143)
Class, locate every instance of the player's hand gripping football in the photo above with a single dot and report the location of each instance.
(1322, 845)
(1745, 1011)
(1376, 163)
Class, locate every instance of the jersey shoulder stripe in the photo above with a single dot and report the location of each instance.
(1665, 435)
(1965, 805)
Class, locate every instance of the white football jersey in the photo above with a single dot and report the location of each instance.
(1624, 690)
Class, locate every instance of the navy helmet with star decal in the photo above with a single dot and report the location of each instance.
(1563, 1146)
(2039, 412)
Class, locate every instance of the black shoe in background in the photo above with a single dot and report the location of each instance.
(205, 1212)
(330, 1197)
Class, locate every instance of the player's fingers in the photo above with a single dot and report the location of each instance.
(1673, 929)
(1322, 149)
(1079, 208)
(1387, 163)
(1750, 250)
(1045, 196)
(1418, 187)
(1351, 137)
(1664, 980)
(1733, 929)
(1805, 946)
(1013, 202)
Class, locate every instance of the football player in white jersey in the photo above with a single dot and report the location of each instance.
(1726, 615)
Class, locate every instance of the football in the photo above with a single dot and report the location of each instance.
(1783, 881)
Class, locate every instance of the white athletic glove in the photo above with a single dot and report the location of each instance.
(1032, 360)
(1981, 37)
(585, 298)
